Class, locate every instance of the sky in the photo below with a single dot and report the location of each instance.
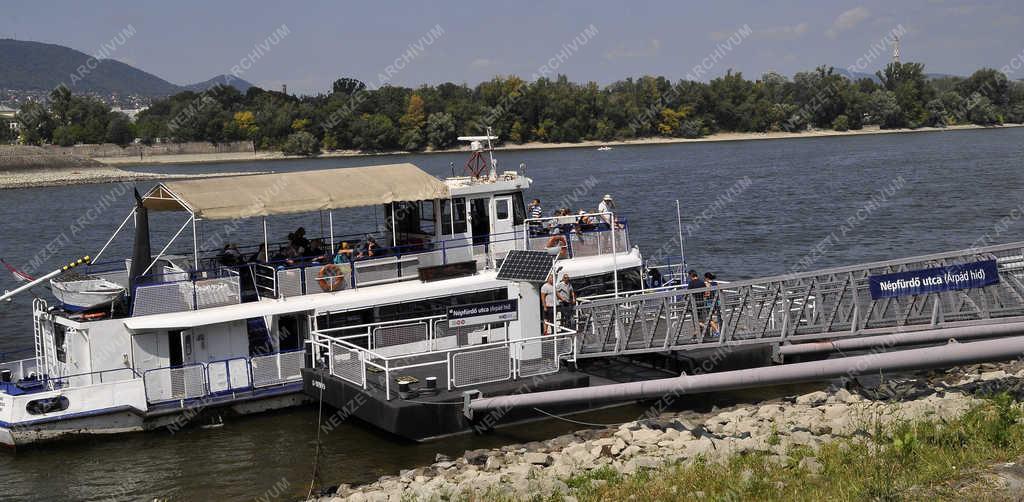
(187, 41)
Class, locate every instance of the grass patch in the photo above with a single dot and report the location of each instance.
(908, 461)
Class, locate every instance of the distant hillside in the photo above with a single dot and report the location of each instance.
(235, 82)
(39, 66)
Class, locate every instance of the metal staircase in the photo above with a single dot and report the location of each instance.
(820, 305)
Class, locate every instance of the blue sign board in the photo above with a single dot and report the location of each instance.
(933, 280)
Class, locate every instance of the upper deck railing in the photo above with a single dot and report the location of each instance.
(177, 290)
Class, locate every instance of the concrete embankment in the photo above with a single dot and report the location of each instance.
(775, 428)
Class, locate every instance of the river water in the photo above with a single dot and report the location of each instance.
(750, 209)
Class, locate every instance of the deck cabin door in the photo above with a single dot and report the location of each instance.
(503, 238)
(457, 244)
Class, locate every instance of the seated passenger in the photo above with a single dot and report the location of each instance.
(229, 256)
(299, 241)
(344, 254)
(259, 256)
(367, 248)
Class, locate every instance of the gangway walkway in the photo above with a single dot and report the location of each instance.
(810, 306)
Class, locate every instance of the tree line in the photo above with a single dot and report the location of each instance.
(352, 116)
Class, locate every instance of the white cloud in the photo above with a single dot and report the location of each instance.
(623, 52)
(847, 21)
(481, 63)
(782, 32)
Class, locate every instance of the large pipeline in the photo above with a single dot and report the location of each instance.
(952, 354)
(906, 338)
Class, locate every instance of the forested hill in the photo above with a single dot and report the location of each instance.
(39, 66)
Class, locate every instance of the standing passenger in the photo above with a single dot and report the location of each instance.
(547, 302)
(607, 205)
(535, 211)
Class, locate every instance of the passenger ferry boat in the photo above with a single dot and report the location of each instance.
(193, 337)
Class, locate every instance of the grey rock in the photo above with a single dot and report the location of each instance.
(476, 457)
(811, 465)
(537, 458)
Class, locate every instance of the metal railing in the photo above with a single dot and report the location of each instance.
(391, 347)
(226, 376)
(829, 303)
(578, 235)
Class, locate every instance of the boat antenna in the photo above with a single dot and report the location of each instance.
(490, 153)
(682, 250)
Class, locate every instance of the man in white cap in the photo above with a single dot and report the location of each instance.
(606, 206)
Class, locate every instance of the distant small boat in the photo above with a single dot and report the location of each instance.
(604, 148)
(86, 294)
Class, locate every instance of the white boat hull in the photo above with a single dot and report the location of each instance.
(122, 421)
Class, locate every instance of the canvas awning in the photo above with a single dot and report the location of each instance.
(250, 196)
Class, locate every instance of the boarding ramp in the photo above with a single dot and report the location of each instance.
(801, 307)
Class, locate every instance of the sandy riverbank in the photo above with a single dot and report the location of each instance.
(42, 177)
(207, 158)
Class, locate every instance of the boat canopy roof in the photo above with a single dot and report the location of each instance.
(248, 196)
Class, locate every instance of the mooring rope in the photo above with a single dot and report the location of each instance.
(316, 456)
(577, 422)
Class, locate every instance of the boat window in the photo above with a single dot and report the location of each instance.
(427, 216)
(501, 209)
(407, 216)
(60, 342)
(629, 280)
(48, 405)
(518, 209)
(459, 217)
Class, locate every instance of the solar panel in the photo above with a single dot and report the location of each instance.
(529, 266)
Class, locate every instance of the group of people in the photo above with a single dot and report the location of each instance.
(564, 223)
(709, 312)
(560, 297)
(301, 249)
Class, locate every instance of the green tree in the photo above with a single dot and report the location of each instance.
(884, 110)
(35, 125)
(989, 83)
(374, 132)
(841, 123)
(119, 130)
(441, 130)
(301, 143)
(981, 111)
(910, 87)
(64, 136)
(347, 86)
(60, 104)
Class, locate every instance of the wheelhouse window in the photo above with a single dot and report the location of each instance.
(501, 209)
(459, 218)
(518, 209)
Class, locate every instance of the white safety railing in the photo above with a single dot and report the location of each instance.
(227, 376)
(277, 369)
(20, 369)
(175, 384)
(461, 357)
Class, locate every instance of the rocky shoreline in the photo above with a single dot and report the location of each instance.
(775, 427)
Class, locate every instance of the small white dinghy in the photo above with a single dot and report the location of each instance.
(86, 294)
(604, 148)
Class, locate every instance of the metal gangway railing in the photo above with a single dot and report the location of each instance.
(819, 305)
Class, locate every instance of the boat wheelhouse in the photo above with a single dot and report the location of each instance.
(217, 329)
